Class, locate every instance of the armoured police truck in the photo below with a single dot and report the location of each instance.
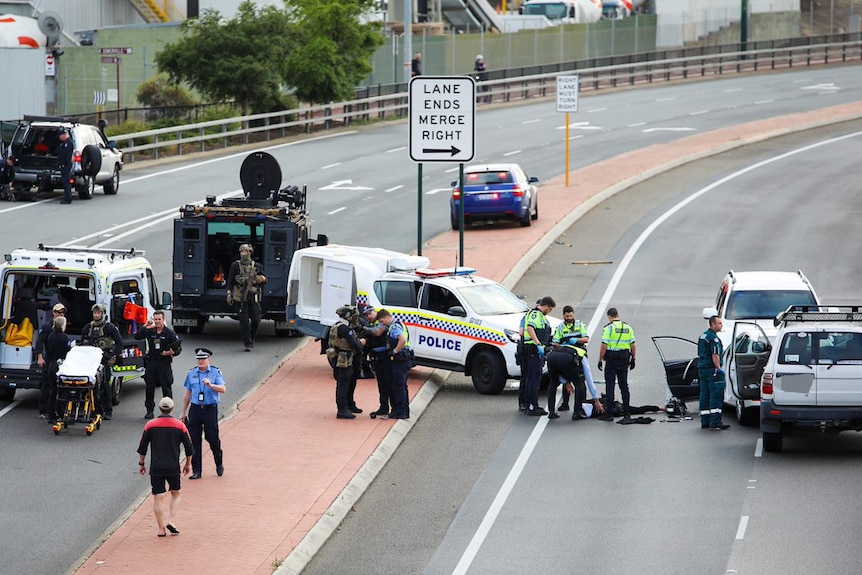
(271, 218)
(32, 282)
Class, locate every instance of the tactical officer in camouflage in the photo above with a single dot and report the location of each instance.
(104, 335)
(243, 292)
(344, 349)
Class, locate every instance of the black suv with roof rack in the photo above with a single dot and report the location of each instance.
(96, 159)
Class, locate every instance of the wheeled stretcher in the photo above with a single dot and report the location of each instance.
(78, 380)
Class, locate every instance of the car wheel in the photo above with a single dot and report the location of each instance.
(91, 160)
(7, 393)
(116, 389)
(746, 416)
(488, 372)
(772, 442)
(526, 221)
(284, 332)
(87, 189)
(536, 213)
(454, 224)
(112, 186)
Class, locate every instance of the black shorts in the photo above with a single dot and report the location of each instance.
(158, 483)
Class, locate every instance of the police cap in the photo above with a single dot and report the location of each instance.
(202, 353)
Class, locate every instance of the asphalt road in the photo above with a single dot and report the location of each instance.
(356, 180)
(597, 497)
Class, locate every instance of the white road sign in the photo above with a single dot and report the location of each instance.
(567, 93)
(442, 118)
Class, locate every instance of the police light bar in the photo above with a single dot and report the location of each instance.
(443, 272)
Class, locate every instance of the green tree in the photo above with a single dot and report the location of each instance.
(239, 60)
(332, 49)
(167, 99)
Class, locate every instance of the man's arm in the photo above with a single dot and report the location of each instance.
(186, 400)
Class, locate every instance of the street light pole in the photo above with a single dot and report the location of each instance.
(743, 26)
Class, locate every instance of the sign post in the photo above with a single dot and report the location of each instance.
(112, 56)
(567, 101)
(442, 129)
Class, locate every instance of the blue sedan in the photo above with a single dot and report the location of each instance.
(495, 192)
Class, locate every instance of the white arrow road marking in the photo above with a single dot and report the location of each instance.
(829, 86)
(344, 185)
(580, 126)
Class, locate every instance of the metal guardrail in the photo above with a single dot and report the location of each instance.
(190, 138)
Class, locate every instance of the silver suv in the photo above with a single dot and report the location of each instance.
(813, 376)
(96, 160)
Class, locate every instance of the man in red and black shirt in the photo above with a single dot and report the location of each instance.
(165, 434)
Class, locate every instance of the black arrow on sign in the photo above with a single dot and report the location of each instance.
(452, 150)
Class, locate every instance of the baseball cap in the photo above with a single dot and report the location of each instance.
(58, 307)
(202, 353)
(166, 404)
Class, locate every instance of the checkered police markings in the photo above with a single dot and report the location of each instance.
(448, 327)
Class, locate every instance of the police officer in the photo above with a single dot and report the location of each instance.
(162, 345)
(204, 385)
(65, 151)
(618, 351)
(571, 332)
(104, 335)
(400, 362)
(345, 348)
(375, 345)
(537, 334)
(710, 354)
(59, 310)
(243, 292)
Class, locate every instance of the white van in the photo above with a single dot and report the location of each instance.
(33, 281)
(456, 320)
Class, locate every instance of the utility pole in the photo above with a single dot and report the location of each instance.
(743, 27)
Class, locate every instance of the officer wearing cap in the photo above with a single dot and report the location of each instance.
(65, 151)
(204, 385)
(375, 344)
(106, 336)
(243, 292)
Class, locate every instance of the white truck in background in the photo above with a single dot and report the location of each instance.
(564, 11)
(455, 319)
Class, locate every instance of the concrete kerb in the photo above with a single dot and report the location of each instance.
(302, 554)
(317, 536)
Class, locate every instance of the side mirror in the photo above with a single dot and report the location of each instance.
(454, 184)
(112, 144)
(457, 311)
(167, 301)
(533, 179)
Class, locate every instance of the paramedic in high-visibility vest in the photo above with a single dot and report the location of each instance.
(537, 334)
(243, 292)
(710, 375)
(400, 362)
(618, 351)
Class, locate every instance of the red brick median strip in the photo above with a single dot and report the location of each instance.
(287, 458)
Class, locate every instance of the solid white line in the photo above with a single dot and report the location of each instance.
(9, 408)
(758, 447)
(636, 124)
(342, 208)
(740, 531)
(500, 499)
(512, 153)
(392, 189)
(396, 149)
(326, 167)
(531, 121)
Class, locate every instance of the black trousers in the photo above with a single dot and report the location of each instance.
(158, 374)
(48, 389)
(66, 175)
(400, 399)
(249, 319)
(103, 394)
(203, 422)
(617, 371)
(384, 382)
(345, 382)
(565, 362)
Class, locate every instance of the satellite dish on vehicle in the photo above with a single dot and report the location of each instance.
(51, 26)
(260, 175)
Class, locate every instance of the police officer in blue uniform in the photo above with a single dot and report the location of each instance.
(375, 345)
(204, 385)
(710, 354)
(400, 362)
(65, 151)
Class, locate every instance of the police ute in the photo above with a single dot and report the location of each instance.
(455, 319)
(34, 281)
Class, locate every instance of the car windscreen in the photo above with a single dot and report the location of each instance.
(492, 299)
(765, 304)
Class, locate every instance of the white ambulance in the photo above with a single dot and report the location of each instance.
(33, 281)
(456, 320)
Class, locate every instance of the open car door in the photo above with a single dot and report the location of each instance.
(747, 358)
(679, 359)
